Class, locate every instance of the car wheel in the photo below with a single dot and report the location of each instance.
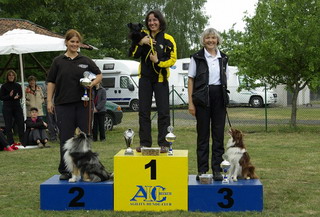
(108, 123)
(256, 102)
(134, 105)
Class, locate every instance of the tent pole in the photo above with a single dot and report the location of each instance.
(23, 99)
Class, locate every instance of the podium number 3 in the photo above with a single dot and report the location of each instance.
(153, 167)
(227, 197)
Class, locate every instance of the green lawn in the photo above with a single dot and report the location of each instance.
(286, 162)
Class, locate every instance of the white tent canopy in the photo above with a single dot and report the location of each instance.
(22, 41)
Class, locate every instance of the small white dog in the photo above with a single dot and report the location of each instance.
(238, 157)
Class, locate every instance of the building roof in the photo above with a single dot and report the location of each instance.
(7, 24)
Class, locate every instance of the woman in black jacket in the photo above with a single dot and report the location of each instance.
(157, 52)
(10, 94)
(100, 99)
(207, 90)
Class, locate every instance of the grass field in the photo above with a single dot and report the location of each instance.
(286, 162)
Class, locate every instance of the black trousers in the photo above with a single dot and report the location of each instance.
(37, 134)
(161, 94)
(69, 117)
(52, 126)
(13, 114)
(213, 117)
(98, 126)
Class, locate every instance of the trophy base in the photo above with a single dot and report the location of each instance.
(225, 181)
(85, 98)
(128, 152)
(170, 153)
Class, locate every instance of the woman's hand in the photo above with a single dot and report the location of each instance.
(145, 40)
(154, 57)
(192, 109)
(50, 107)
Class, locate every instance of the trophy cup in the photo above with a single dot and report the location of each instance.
(170, 137)
(128, 137)
(85, 82)
(225, 166)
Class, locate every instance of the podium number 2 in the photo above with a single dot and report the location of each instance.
(153, 167)
(74, 202)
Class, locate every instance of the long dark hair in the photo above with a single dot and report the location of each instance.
(160, 17)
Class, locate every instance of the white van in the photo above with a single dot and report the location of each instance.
(179, 78)
(254, 97)
(120, 78)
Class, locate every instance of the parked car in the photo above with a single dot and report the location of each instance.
(113, 117)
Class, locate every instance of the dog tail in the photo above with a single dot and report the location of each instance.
(248, 170)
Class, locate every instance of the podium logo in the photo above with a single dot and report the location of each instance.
(151, 194)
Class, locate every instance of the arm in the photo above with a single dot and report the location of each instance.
(170, 57)
(50, 91)
(191, 108)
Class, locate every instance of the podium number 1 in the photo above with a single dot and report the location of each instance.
(153, 167)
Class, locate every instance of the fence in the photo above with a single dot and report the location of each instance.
(241, 116)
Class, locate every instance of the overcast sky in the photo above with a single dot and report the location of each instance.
(224, 13)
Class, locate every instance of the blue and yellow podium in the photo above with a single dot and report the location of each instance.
(151, 183)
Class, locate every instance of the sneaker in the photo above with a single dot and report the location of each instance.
(217, 176)
(163, 149)
(65, 176)
(14, 147)
(8, 148)
(138, 149)
(199, 174)
(40, 145)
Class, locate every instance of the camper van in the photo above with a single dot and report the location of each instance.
(179, 80)
(120, 78)
(254, 97)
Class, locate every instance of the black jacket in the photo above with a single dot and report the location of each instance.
(201, 80)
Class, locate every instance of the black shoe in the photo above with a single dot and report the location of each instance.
(102, 140)
(65, 176)
(138, 149)
(199, 174)
(163, 149)
(217, 176)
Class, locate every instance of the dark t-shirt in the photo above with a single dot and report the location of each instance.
(66, 73)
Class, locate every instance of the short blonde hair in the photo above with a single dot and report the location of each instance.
(210, 31)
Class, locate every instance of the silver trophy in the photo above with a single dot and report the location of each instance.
(85, 82)
(170, 137)
(128, 137)
(225, 166)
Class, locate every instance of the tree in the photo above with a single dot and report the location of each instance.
(281, 46)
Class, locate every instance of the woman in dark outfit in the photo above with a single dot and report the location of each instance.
(157, 52)
(207, 73)
(100, 99)
(10, 94)
(65, 88)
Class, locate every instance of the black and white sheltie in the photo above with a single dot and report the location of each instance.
(81, 161)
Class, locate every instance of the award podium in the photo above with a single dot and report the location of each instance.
(152, 183)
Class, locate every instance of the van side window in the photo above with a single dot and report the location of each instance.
(108, 82)
(108, 66)
(185, 66)
(124, 81)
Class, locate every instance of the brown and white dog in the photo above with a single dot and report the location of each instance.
(81, 161)
(238, 158)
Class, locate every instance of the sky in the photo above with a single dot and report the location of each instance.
(224, 13)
